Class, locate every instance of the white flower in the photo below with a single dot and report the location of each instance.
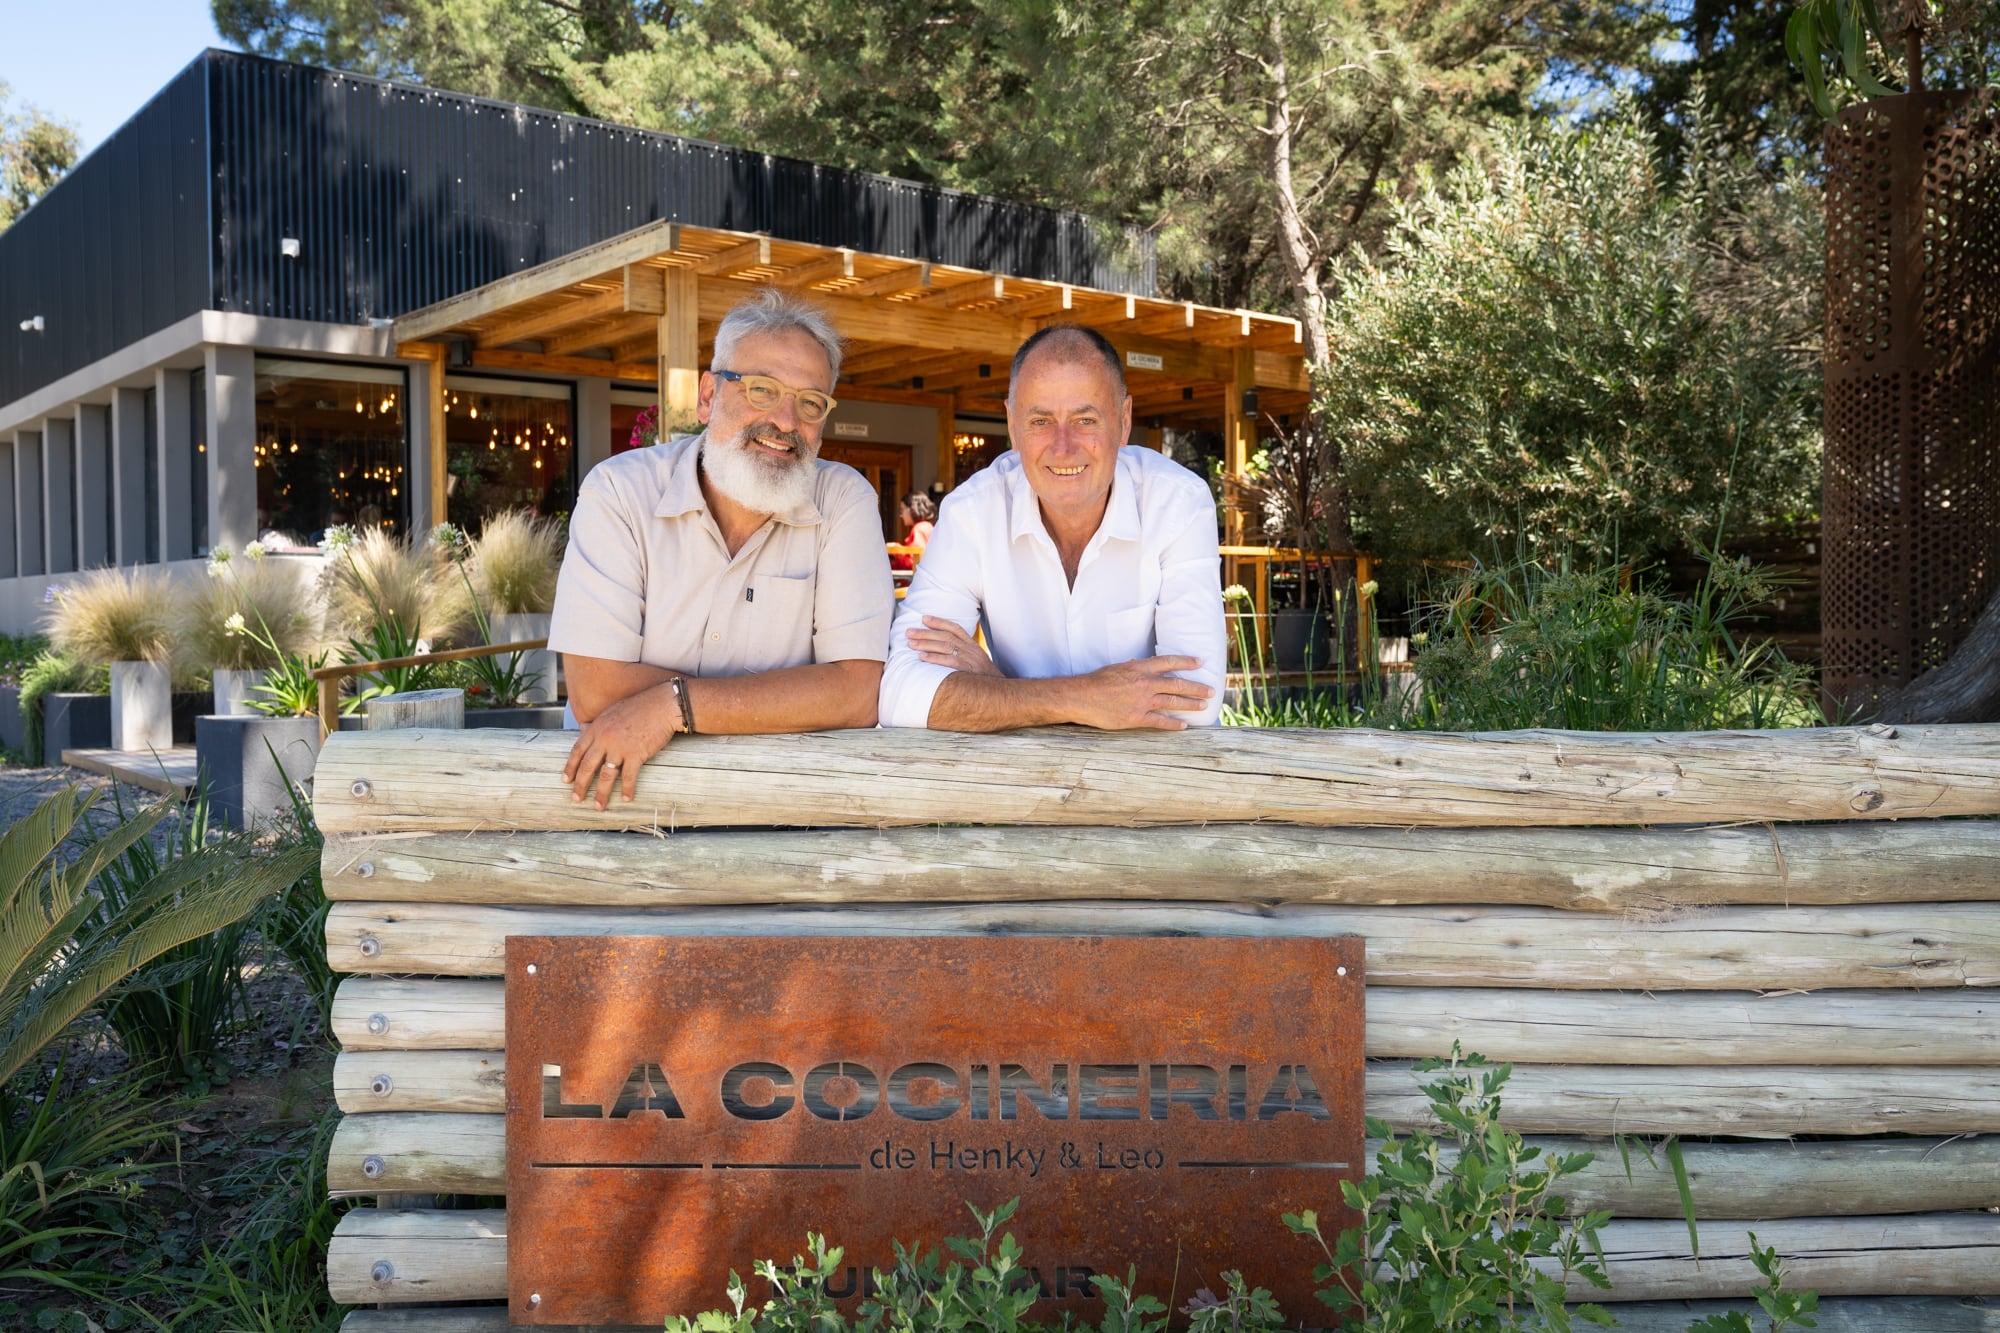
(337, 539)
(234, 624)
(448, 537)
(51, 593)
(1420, 638)
(1368, 589)
(219, 554)
(254, 550)
(1236, 592)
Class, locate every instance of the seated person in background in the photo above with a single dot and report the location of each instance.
(730, 581)
(915, 518)
(1092, 564)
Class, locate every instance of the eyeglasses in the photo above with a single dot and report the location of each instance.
(765, 393)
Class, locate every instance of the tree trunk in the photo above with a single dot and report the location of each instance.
(1965, 689)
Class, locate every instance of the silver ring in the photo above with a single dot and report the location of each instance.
(611, 765)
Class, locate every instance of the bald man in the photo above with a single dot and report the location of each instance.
(1093, 566)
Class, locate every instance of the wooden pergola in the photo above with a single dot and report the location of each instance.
(644, 307)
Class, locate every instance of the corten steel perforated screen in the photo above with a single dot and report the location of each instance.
(1912, 545)
(681, 1107)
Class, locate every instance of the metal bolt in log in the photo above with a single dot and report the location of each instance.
(366, 870)
(372, 1167)
(360, 790)
(378, 1023)
(370, 947)
(381, 1085)
(382, 1271)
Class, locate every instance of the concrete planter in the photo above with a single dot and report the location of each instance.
(142, 706)
(548, 717)
(250, 763)
(512, 627)
(13, 733)
(74, 722)
(233, 691)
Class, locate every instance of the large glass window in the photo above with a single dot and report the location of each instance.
(508, 445)
(330, 449)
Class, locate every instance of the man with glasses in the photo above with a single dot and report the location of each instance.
(730, 581)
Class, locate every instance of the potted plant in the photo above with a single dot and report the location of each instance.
(123, 619)
(252, 762)
(514, 563)
(257, 590)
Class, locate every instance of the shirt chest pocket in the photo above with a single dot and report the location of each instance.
(779, 605)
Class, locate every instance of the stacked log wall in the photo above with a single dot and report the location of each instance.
(1779, 947)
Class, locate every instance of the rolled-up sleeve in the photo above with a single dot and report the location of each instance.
(947, 584)
(600, 608)
(853, 597)
(1189, 621)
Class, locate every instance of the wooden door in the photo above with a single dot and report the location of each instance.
(888, 469)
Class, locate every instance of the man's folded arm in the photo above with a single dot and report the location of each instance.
(820, 696)
(1189, 621)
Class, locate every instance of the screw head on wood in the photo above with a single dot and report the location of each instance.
(360, 790)
(382, 1271)
(381, 1085)
(1340, 971)
(378, 1023)
(531, 969)
(366, 870)
(370, 946)
(371, 1167)
(534, 1298)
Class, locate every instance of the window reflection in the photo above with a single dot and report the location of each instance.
(330, 449)
(508, 445)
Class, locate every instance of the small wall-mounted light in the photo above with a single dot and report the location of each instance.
(288, 246)
(1249, 402)
(32, 325)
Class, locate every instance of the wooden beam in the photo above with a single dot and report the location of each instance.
(636, 372)
(837, 265)
(645, 290)
(383, 781)
(680, 352)
(893, 282)
(566, 312)
(753, 253)
(967, 376)
(910, 368)
(877, 359)
(593, 261)
(1050, 304)
(947, 442)
(415, 1152)
(1926, 946)
(1239, 439)
(869, 393)
(1281, 370)
(599, 335)
(1155, 319)
(982, 288)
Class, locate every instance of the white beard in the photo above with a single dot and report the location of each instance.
(757, 481)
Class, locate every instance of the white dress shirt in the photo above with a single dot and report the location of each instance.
(1149, 584)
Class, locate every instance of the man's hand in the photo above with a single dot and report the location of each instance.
(942, 643)
(619, 739)
(1131, 695)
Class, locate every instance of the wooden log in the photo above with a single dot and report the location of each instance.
(378, 1256)
(1936, 1254)
(460, 1319)
(1943, 1027)
(1586, 869)
(1841, 1314)
(467, 1154)
(490, 779)
(1935, 945)
(429, 710)
(1774, 1102)
(463, 1257)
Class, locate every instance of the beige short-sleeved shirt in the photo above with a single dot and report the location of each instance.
(647, 577)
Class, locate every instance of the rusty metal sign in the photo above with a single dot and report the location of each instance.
(681, 1107)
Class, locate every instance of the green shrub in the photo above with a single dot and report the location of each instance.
(53, 673)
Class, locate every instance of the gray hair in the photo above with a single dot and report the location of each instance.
(770, 310)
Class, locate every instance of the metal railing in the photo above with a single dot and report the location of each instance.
(329, 677)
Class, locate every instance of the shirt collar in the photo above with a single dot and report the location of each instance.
(682, 492)
(1121, 513)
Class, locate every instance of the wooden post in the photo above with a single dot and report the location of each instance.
(437, 354)
(947, 442)
(1239, 435)
(329, 705)
(680, 352)
(1364, 610)
(416, 708)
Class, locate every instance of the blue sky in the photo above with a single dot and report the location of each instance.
(95, 62)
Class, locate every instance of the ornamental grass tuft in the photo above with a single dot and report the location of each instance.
(515, 561)
(113, 615)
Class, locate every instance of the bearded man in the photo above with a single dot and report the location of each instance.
(730, 581)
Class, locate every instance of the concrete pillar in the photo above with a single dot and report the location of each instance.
(96, 533)
(59, 489)
(174, 443)
(230, 386)
(33, 557)
(130, 430)
(10, 517)
(423, 427)
(593, 424)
